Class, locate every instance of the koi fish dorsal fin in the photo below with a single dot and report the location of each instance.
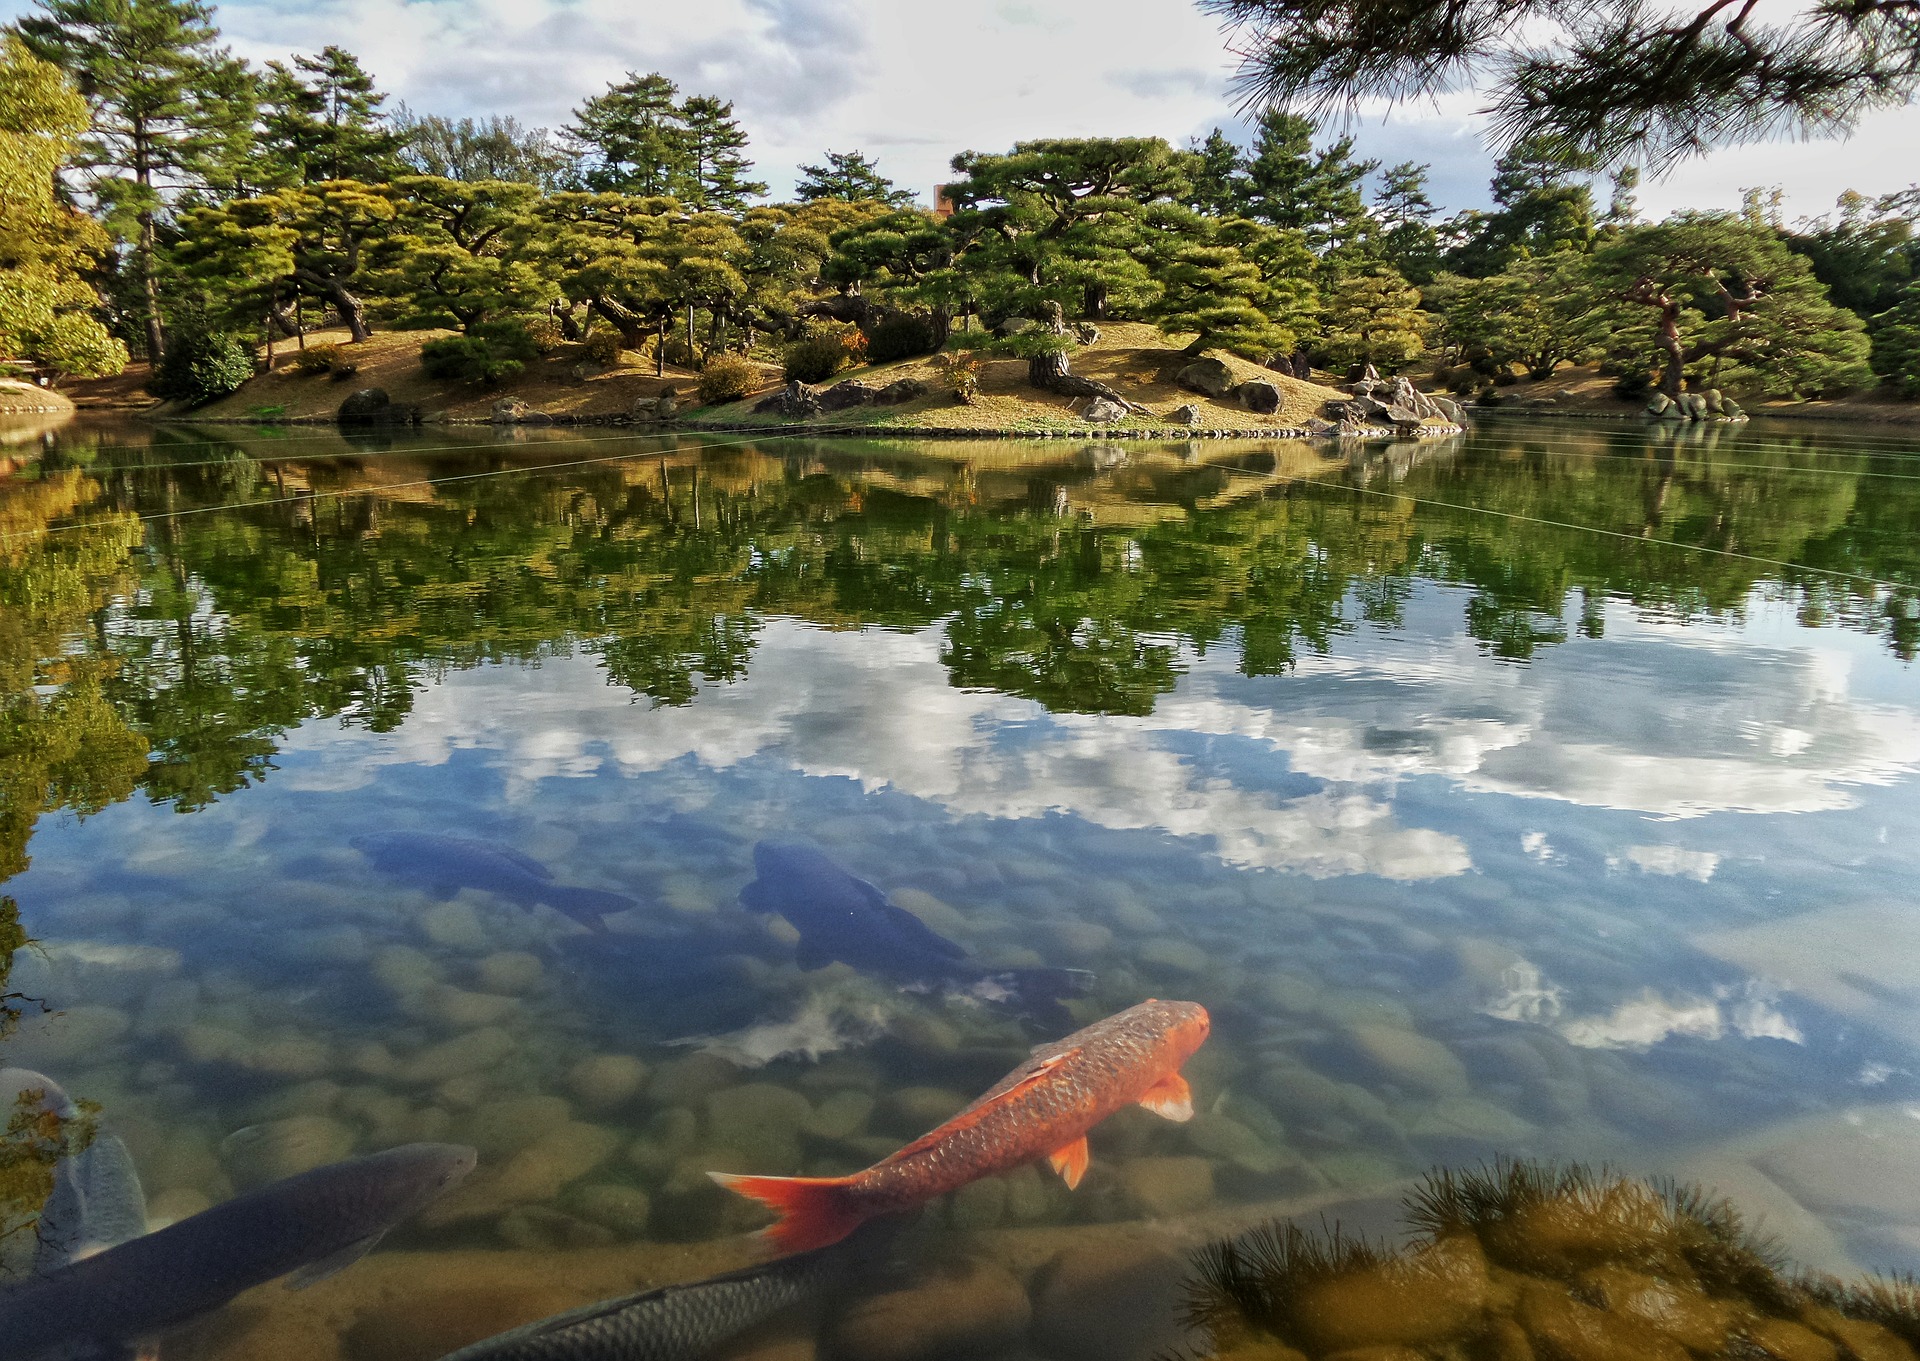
(1070, 1162)
(1037, 1074)
(1169, 1098)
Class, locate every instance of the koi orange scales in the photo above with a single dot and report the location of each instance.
(1042, 1109)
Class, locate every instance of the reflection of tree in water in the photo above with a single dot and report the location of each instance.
(343, 585)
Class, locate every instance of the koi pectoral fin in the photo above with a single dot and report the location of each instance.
(1169, 1098)
(1070, 1162)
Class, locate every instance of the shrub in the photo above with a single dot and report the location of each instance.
(317, 359)
(508, 338)
(202, 367)
(813, 360)
(546, 334)
(603, 346)
(727, 378)
(899, 336)
(466, 359)
(1634, 384)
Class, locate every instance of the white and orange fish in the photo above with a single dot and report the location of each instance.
(1042, 1109)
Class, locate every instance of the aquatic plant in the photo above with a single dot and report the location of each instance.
(1523, 1258)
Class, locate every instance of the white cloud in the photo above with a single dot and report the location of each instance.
(830, 704)
(1674, 861)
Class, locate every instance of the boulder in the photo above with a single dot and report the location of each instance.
(1659, 404)
(1402, 415)
(507, 410)
(536, 418)
(1449, 409)
(667, 405)
(795, 401)
(1716, 404)
(1085, 332)
(1731, 409)
(1105, 411)
(1259, 396)
(1405, 394)
(1208, 377)
(851, 393)
(372, 406)
(1185, 414)
(644, 409)
(901, 390)
(1013, 326)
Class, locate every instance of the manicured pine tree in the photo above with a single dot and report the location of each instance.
(1374, 318)
(1896, 344)
(147, 68)
(716, 163)
(1542, 203)
(851, 177)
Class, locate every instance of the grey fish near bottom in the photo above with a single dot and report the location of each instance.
(96, 1201)
(680, 1322)
(316, 1223)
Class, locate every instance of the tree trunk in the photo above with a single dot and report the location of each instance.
(629, 323)
(1050, 373)
(691, 357)
(563, 318)
(156, 333)
(1669, 341)
(940, 325)
(660, 349)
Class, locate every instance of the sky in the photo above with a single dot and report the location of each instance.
(912, 82)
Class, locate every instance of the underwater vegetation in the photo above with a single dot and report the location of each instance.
(1522, 1260)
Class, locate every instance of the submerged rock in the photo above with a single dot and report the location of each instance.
(1110, 1301)
(260, 1154)
(971, 1308)
(605, 1082)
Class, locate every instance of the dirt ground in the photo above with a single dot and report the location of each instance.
(1136, 359)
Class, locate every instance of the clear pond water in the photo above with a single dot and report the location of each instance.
(1545, 793)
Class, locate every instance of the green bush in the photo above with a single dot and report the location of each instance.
(466, 359)
(508, 338)
(603, 346)
(202, 367)
(899, 336)
(813, 360)
(727, 378)
(317, 359)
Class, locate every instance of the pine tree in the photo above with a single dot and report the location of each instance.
(145, 67)
(1620, 80)
(1374, 318)
(1291, 186)
(715, 149)
(1896, 344)
(852, 178)
(632, 139)
(1406, 237)
(1542, 203)
(323, 122)
(1218, 173)
(1234, 285)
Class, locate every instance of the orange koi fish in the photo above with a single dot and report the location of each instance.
(1042, 1109)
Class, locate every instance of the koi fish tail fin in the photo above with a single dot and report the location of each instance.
(588, 906)
(1036, 993)
(814, 1211)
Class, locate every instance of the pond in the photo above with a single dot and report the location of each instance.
(1544, 793)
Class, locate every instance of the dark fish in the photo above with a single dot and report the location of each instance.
(678, 1322)
(315, 1224)
(444, 865)
(96, 1201)
(846, 919)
